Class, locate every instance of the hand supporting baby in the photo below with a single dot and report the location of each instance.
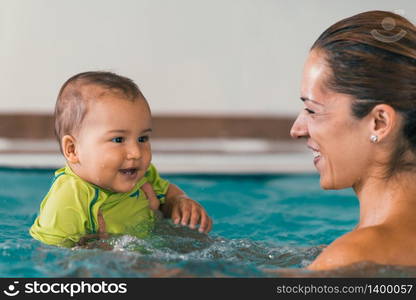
(95, 240)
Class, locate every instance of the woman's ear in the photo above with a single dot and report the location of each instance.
(68, 144)
(384, 121)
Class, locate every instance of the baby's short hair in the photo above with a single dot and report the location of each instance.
(71, 104)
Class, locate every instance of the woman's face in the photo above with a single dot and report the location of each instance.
(339, 142)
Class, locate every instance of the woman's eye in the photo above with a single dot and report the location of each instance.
(118, 139)
(143, 139)
(309, 111)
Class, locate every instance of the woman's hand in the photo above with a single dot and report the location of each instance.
(95, 240)
(154, 203)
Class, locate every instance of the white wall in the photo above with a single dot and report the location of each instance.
(188, 56)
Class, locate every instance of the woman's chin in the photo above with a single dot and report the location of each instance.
(326, 187)
(325, 182)
(332, 185)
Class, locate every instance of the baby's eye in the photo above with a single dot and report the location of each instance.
(143, 139)
(309, 111)
(118, 139)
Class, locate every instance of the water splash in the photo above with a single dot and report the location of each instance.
(173, 251)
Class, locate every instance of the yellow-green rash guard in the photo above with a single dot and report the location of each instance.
(70, 208)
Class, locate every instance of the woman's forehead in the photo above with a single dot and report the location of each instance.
(314, 77)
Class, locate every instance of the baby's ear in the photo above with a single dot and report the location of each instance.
(68, 149)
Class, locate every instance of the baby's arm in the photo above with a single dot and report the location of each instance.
(184, 210)
(63, 214)
(175, 204)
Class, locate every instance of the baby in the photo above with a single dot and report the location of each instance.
(108, 186)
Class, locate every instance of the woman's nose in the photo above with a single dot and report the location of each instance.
(299, 128)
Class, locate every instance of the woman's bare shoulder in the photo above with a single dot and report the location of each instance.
(356, 246)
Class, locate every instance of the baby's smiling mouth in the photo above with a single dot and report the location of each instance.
(131, 172)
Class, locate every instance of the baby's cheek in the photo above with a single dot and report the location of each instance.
(147, 160)
(111, 160)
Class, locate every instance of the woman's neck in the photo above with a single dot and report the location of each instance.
(381, 200)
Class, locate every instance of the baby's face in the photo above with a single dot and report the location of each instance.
(112, 144)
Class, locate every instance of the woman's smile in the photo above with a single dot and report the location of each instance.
(316, 154)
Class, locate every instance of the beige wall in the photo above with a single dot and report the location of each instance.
(212, 57)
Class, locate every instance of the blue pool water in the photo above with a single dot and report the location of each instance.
(261, 223)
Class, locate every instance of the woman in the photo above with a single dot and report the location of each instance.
(359, 120)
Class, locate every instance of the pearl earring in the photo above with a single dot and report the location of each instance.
(374, 138)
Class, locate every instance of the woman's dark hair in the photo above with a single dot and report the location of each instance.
(372, 57)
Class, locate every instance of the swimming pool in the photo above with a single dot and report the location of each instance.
(261, 222)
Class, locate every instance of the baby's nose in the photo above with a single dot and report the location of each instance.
(134, 152)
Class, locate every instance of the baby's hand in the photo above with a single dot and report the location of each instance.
(189, 213)
(154, 203)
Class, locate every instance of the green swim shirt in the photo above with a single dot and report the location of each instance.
(69, 211)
